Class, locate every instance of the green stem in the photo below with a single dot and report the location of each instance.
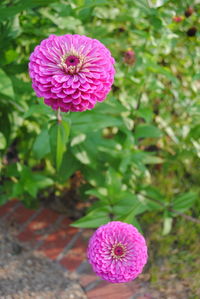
(59, 117)
(187, 217)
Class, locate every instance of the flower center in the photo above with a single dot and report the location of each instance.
(72, 60)
(118, 251)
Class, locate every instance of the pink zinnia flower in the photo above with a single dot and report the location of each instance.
(117, 252)
(129, 57)
(177, 19)
(71, 72)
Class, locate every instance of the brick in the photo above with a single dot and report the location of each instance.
(36, 229)
(110, 291)
(144, 297)
(75, 256)
(134, 286)
(86, 274)
(56, 241)
(86, 279)
(20, 215)
(6, 208)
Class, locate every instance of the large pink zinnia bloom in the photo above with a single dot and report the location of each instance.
(71, 72)
(117, 252)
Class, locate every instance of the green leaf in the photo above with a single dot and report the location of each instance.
(42, 181)
(5, 123)
(147, 131)
(94, 219)
(196, 76)
(58, 133)
(17, 190)
(114, 185)
(38, 109)
(195, 132)
(31, 182)
(11, 55)
(6, 87)
(145, 113)
(184, 201)
(2, 141)
(12, 170)
(129, 203)
(84, 122)
(150, 159)
(167, 225)
(68, 167)
(130, 218)
(41, 146)
(81, 154)
(11, 11)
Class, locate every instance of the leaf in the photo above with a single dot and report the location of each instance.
(58, 133)
(92, 121)
(38, 109)
(10, 55)
(17, 190)
(11, 11)
(145, 113)
(184, 201)
(6, 87)
(31, 182)
(147, 131)
(154, 67)
(81, 154)
(12, 170)
(68, 167)
(158, 3)
(114, 185)
(129, 203)
(150, 159)
(196, 76)
(195, 132)
(167, 225)
(2, 141)
(5, 123)
(41, 146)
(94, 219)
(130, 218)
(100, 193)
(78, 139)
(41, 181)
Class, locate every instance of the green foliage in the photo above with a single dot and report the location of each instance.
(139, 150)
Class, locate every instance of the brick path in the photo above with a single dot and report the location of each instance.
(49, 233)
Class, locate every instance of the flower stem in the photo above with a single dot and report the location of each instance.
(59, 117)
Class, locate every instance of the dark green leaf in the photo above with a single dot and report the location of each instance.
(184, 201)
(58, 133)
(147, 131)
(6, 87)
(41, 146)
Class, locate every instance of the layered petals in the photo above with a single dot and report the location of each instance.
(71, 72)
(117, 252)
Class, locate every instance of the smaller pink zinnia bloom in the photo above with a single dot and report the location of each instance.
(117, 252)
(177, 19)
(129, 57)
(71, 72)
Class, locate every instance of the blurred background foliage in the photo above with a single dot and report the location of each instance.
(135, 157)
(136, 152)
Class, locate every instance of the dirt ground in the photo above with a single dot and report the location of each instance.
(24, 275)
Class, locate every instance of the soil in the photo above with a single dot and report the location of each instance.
(25, 274)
